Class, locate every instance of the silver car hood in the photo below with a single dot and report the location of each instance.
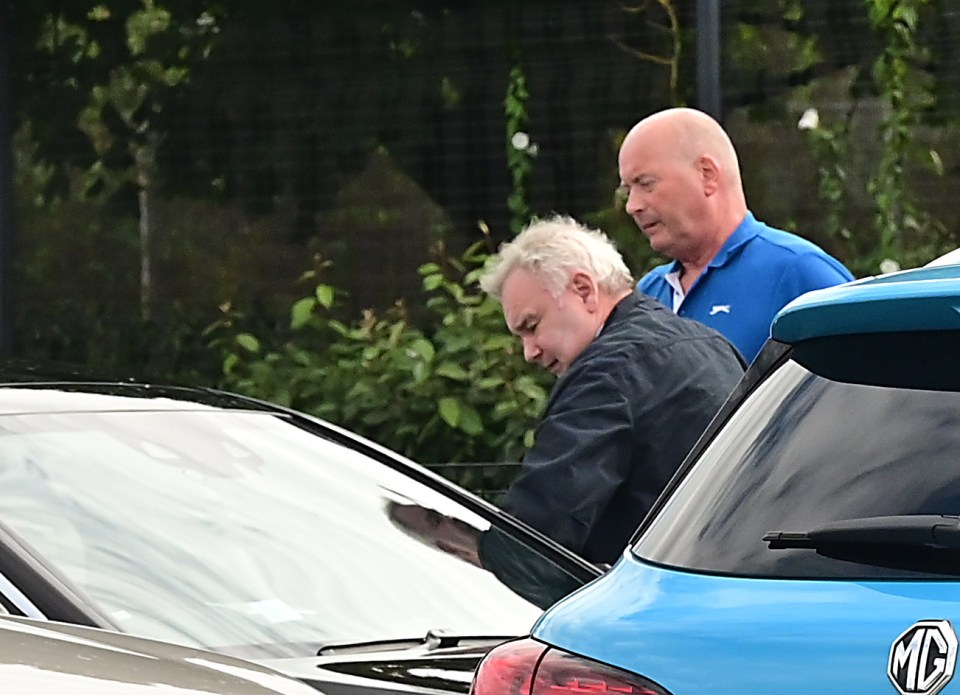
(43, 657)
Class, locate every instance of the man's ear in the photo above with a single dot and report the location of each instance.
(585, 287)
(710, 173)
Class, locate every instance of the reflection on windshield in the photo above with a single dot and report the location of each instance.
(229, 529)
(526, 573)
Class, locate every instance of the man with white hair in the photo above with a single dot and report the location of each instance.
(637, 385)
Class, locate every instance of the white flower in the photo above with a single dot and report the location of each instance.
(810, 120)
(888, 265)
(520, 140)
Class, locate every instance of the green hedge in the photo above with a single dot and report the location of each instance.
(458, 392)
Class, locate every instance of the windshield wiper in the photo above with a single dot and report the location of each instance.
(438, 638)
(941, 532)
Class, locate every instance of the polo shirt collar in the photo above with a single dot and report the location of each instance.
(745, 231)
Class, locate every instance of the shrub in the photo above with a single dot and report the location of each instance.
(458, 392)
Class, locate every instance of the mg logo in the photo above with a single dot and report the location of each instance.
(923, 658)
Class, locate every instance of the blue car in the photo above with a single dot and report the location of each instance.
(810, 542)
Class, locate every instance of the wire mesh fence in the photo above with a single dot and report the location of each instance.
(368, 133)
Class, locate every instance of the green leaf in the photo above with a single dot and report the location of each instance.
(359, 390)
(248, 342)
(449, 409)
(339, 327)
(470, 421)
(937, 162)
(529, 438)
(528, 387)
(460, 343)
(375, 417)
(301, 312)
(424, 348)
(420, 372)
(429, 269)
(325, 295)
(499, 342)
(229, 362)
(452, 371)
(395, 332)
(432, 282)
(455, 291)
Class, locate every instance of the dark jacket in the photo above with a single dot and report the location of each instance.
(618, 424)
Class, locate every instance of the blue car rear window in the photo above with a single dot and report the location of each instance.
(870, 434)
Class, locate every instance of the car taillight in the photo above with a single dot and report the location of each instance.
(508, 668)
(528, 667)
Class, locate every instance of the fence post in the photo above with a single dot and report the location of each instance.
(708, 57)
(6, 187)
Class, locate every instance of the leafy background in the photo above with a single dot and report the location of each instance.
(295, 204)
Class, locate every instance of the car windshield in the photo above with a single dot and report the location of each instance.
(804, 452)
(241, 530)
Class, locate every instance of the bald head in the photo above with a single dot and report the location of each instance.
(687, 134)
(682, 181)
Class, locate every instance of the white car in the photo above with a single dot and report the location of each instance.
(950, 258)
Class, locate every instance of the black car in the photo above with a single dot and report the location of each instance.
(215, 521)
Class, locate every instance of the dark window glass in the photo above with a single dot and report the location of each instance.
(803, 451)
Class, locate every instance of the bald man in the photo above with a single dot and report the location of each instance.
(681, 180)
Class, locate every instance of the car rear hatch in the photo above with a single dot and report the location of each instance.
(695, 633)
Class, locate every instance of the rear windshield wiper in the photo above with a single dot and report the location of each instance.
(916, 530)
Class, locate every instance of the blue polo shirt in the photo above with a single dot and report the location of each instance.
(755, 274)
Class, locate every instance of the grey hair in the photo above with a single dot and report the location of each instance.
(555, 248)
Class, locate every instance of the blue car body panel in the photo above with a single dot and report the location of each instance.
(913, 300)
(694, 633)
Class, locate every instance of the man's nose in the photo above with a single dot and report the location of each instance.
(635, 202)
(531, 351)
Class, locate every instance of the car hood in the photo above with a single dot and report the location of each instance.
(47, 657)
(695, 633)
(423, 669)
